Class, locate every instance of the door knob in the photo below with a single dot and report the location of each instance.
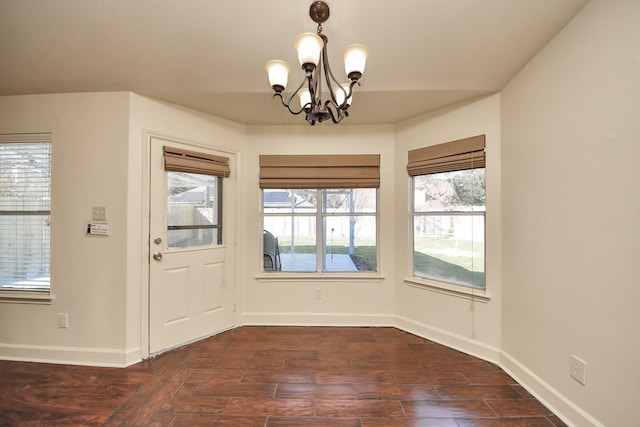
(157, 256)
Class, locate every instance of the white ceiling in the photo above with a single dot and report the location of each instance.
(209, 55)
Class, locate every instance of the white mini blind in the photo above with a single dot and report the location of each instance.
(25, 209)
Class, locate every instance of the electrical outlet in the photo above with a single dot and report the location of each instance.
(99, 213)
(578, 370)
(318, 293)
(63, 320)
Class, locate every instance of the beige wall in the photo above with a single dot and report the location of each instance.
(571, 217)
(451, 317)
(88, 274)
(367, 301)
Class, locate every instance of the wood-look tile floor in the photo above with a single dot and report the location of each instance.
(277, 376)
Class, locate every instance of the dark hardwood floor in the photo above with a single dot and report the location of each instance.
(277, 376)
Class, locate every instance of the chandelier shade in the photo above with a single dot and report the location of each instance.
(341, 92)
(355, 59)
(278, 73)
(305, 97)
(309, 47)
(319, 79)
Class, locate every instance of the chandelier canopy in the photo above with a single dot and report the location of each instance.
(313, 58)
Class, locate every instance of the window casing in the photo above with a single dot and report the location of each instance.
(448, 212)
(320, 230)
(25, 209)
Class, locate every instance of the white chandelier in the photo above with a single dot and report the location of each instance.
(313, 58)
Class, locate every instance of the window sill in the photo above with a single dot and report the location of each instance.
(449, 289)
(318, 277)
(26, 297)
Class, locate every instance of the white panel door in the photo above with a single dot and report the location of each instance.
(191, 290)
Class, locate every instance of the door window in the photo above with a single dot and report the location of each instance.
(194, 210)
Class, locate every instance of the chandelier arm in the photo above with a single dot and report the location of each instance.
(279, 95)
(351, 85)
(286, 105)
(329, 77)
(314, 89)
(340, 112)
(347, 95)
(315, 84)
(295, 92)
(328, 73)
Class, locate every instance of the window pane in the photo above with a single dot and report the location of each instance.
(24, 259)
(193, 210)
(290, 201)
(25, 199)
(450, 191)
(25, 176)
(361, 200)
(345, 218)
(450, 248)
(296, 243)
(350, 243)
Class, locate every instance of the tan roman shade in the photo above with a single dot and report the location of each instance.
(451, 156)
(320, 171)
(177, 160)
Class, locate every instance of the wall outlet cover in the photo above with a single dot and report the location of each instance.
(578, 369)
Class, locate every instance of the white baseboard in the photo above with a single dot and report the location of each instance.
(569, 412)
(71, 355)
(456, 342)
(315, 319)
(465, 345)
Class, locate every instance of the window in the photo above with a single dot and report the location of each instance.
(194, 210)
(194, 197)
(25, 208)
(449, 212)
(320, 230)
(319, 212)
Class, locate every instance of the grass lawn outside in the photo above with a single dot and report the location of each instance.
(450, 260)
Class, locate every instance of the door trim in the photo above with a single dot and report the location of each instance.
(230, 233)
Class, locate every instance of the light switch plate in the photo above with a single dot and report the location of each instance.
(98, 213)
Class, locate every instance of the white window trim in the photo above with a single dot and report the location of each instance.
(460, 291)
(296, 276)
(26, 297)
